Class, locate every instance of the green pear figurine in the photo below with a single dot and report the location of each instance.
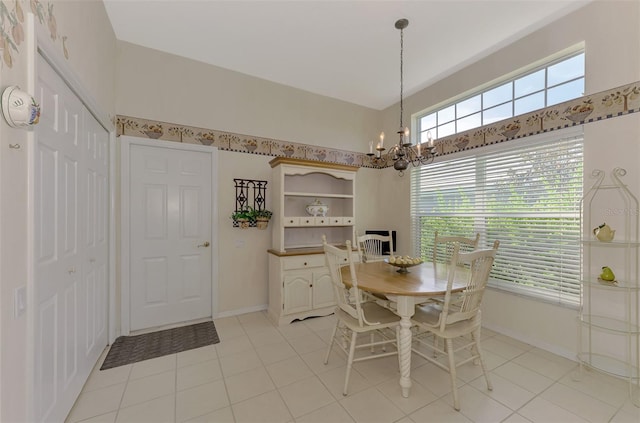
(607, 274)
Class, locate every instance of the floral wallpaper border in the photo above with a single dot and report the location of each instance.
(12, 29)
(607, 104)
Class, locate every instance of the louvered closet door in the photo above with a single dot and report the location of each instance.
(70, 185)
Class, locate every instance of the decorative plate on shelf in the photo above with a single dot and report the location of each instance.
(403, 263)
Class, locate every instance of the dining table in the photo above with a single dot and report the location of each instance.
(405, 288)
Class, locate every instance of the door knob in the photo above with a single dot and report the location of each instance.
(206, 244)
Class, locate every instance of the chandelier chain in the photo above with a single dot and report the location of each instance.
(401, 76)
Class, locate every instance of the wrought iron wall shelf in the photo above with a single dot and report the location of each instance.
(250, 193)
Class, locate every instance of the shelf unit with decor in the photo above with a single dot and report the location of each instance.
(299, 282)
(609, 317)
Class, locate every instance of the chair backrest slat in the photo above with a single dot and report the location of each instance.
(370, 247)
(468, 302)
(443, 246)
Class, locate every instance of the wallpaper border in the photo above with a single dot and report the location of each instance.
(607, 104)
(12, 34)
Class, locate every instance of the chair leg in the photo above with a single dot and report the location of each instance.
(452, 374)
(476, 336)
(333, 338)
(352, 350)
(344, 338)
(474, 349)
(372, 339)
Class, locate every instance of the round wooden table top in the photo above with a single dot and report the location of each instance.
(425, 279)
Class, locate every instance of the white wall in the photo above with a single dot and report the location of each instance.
(243, 276)
(159, 86)
(155, 85)
(13, 258)
(90, 45)
(610, 31)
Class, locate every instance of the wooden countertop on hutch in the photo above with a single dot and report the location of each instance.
(302, 251)
(304, 162)
(296, 251)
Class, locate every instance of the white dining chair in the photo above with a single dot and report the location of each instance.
(370, 247)
(355, 316)
(443, 246)
(443, 250)
(458, 317)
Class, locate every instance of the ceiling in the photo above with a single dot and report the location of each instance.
(344, 49)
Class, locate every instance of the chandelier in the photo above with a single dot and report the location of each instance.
(404, 152)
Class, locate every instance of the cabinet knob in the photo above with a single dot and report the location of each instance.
(305, 263)
(205, 245)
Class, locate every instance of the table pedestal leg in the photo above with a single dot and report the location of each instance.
(405, 310)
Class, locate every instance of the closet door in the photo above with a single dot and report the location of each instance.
(95, 170)
(69, 246)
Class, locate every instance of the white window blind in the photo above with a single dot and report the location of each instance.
(527, 198)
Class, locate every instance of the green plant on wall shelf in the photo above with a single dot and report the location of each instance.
(262, 218)
(244, 217)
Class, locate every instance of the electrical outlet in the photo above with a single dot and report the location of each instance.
(19, 301)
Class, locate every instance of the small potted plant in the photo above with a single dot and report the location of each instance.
(243, 217)
(262, 218)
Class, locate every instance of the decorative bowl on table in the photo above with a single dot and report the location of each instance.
(403, 262)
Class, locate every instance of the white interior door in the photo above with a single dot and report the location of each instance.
(95, 242)
(170, 235)
(70, 246)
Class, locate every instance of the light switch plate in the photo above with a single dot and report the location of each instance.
(19, 301)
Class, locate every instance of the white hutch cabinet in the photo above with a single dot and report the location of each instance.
(299, 282)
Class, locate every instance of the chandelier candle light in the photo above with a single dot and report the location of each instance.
(403, 152)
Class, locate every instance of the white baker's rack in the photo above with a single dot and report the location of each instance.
(609, 318)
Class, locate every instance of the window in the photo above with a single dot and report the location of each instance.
(527, 197)
(555, 82)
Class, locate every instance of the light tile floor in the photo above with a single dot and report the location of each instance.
(261, 373)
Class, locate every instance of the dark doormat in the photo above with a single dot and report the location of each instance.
(131, 349)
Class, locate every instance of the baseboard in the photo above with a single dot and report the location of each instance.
(239, 311)
(570, 355)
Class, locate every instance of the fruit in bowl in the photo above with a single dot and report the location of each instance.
(403, 262)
